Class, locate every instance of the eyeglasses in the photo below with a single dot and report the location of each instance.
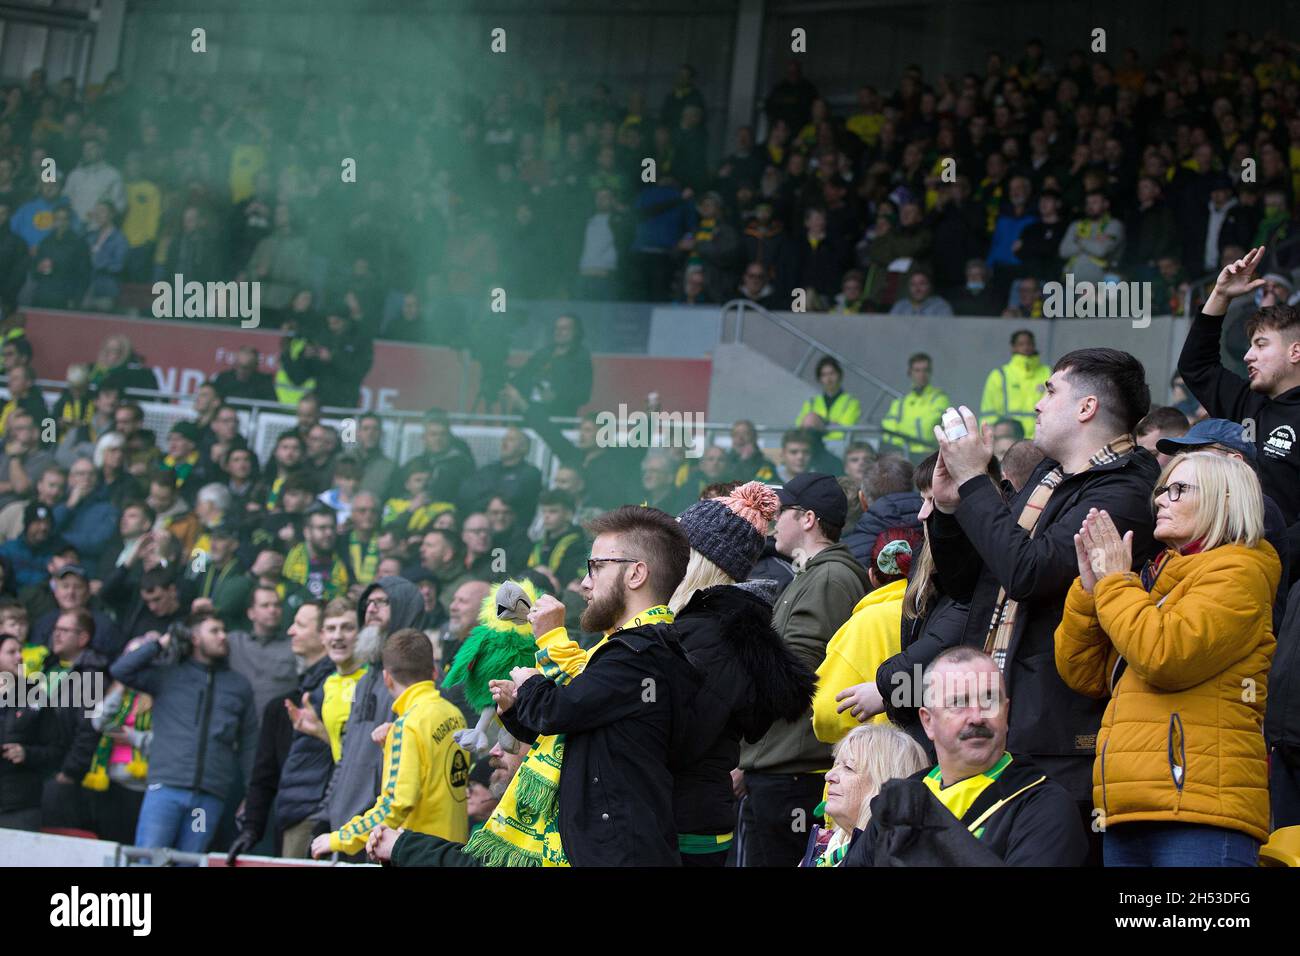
(377, 602)
(771, 525)
(1174, 490)
(593, 564)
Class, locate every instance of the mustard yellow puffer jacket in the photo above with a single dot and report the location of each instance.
(1181, 739)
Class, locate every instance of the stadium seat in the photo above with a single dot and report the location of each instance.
(1282, 848)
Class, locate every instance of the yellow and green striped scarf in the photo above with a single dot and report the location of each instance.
(96, 777)
(524, 828)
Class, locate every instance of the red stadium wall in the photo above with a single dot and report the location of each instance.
(404, 377)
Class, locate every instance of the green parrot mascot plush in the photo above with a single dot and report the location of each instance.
(502, 641)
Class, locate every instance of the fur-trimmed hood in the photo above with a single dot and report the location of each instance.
(727, 632)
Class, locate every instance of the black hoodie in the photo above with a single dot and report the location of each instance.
(1276, 420)
(355, 783)
(750, 680)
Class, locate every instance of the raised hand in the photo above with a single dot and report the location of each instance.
(1237, 278)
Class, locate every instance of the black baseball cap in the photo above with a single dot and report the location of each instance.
(35, 511)
(76, 569)
(818, 493)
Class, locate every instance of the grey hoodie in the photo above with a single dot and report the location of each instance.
(355, 782)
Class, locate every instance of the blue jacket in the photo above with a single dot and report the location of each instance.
(309, 763)
(205, 729)
(30, 567)
(663, 217)
(898, 510)
(89, 527)
(107, 261)
(1006, 231)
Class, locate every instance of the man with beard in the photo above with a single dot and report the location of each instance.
(1014, 814)
(614, 730)
(204, 731)
(387, 606)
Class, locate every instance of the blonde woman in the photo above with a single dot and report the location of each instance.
(751, 679)
(1183, 652)
(865, 759)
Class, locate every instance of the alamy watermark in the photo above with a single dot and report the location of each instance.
(73, 690)
(179, 299)
(1112, 299)
(639, 429)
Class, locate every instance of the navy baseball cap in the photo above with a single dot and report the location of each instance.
(1211, 431)
(818, 493)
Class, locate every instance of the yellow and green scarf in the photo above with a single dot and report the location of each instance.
(96, 777)
(524, 828)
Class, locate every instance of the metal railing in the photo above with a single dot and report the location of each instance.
(812, 348)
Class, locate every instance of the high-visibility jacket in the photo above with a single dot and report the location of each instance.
(1012, 391)
(287, 391)
(844, 409)
(915, 413)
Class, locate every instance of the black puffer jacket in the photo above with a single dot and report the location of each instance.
(750, 680)
(1282, 708)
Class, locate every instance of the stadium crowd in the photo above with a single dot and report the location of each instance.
(949, 195)
(1056, 627)
(1006, 625)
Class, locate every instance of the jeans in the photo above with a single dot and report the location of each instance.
(778, 816)
(171, 817)
(1177, 844)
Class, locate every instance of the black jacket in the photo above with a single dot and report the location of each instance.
(611, 474)
(923, 639)
(626, 721)
(37, 730)
(898, 510)
(279, 770)
(1038, 826)
(750, 680)
(981, 547)
(557, 384)
(1276, 420)
(77, 734)
(424, 849)
(1282, 707)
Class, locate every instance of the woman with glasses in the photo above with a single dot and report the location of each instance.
(1182, 650)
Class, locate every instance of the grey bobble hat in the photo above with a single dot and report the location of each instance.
(731, 531)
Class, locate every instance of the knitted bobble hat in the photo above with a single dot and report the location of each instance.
(730, 531)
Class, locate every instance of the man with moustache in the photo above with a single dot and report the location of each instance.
(204, 731)
(1014, 814)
